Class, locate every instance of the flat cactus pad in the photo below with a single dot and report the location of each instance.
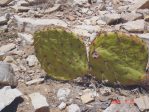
(61, 53)
(117, 57)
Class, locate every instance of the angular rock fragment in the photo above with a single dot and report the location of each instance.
(134, 26)
(39, 102)
(62, 106)
(7, 96)
(140, 4)
(32, 60)
(142, 103)
(63, 93)
(7, 76)
(6, 48)
(4, 2)
(54, 8)
(26, 38)
(35, 81)
(112, 19)
(131, 16)
(87, 98)
(3, 20)
(73, 108)
(122, 107)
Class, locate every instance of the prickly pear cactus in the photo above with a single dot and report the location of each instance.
(61, 53)
(118, 57)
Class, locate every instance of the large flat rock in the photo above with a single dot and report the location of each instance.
(140, 4)
(134, 26)
(30, 25)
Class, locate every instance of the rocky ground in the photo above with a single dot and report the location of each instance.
(19, 19)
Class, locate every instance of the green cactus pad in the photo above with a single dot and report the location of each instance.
(117, 57)
(61, 53)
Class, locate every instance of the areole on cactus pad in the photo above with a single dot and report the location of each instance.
(116, 57)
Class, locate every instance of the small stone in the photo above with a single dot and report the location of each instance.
(62, 106)
(89, 28)
(26, 38)
(81, 32)
(87, 98)
(73, 108)
(142, 103)
(35, 81)
(101, 22)
(7, 48)
(32, 60)
(105, 91)
(3, 20)
(79, 2)
(71, 18)
(63, 93)
(146, 18)
(39, 102)
(111, 19)
(9, 59)
(144, 36)
(54, 8)
(21, 8)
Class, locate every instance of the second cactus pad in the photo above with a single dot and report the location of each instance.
(61, 53)
(118, 57)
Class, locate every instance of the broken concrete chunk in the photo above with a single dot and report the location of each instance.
(7, 48)
(35, 81)
(73, 108)
(142, 103)
(7, 96)
(39, 102)
(7, 76)
(134, 26)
